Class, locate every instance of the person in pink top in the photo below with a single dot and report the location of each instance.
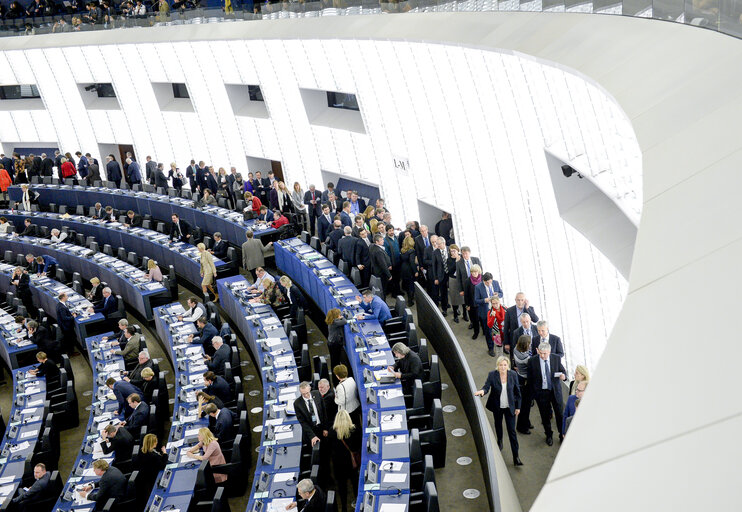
(211, 451)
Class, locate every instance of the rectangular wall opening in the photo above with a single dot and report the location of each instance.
(367, 190)
(247, 100)
(431, 216)
(26, 148)
(172, 97)
(333, 109)
(255, 164)
(20, 97)
(99, 96)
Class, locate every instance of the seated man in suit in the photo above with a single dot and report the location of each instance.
(28, 229)
(527, 328)
(139, 417)
(206, 332)
(109, 215)
(314, 498)
(135, 376)
(542, 326)
(47, 368)
(220, 247)
(39, 336)
(217, 386)
(310, 411)
(122, 390)
(223, 422)
(133, 220)
(37, 492)
(118, 440)
(180, 231)
(374, 307)
(221, 355)
(98, 211)
(265, 215)
(112, 484)
(131, 344)
(109, 306)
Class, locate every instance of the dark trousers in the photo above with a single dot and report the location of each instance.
(27, 300)
(68, 341)
(474, 316)
(118, 183)
(546, 401)
(509, 424)
(440, 294)
(312, 220)
(337, 354)
(486, 330)
(393, 285)
(524, 421)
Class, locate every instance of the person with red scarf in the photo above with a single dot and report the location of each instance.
(474, 279)
(495, 319)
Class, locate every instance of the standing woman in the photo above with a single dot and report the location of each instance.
(208, 272)
(408, 270)
(521, 355)
(504, 401)
(225, 190)
(285, 201)
(5, 182)
(346, 394)
(150, 461)
(177, 177)
(495, 319)
(336, 335)
(297, 197)
(475, 278)
(346, 454)
(20, 172)
(581, 374)
(455, 299)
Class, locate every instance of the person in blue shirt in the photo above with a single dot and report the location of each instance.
(133, 172)
(122, 390)
(46, 264)
(571, 407)
(374, 306)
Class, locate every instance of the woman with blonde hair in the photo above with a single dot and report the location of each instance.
(208, 272)
(336, 335)
(271, 294)
(346, 393)
(346, 454)
(153, 271)
(582, 374)
(408, 270)
(211, 452)
(95, 295)
(252, 203)
(150, 460)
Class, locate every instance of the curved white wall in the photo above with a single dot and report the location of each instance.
(474, 124)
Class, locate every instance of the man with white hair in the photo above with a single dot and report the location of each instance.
(346, 246)
(57, 236)
(220, 357)
(109, 305)
(545, 376)
(133, 172)
(313, 200)
(314, 498)
(513, 314)
(328, 399)
(542, 326)
(527, 328)
(135, 376)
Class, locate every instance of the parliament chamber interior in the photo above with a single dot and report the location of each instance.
(349, 255)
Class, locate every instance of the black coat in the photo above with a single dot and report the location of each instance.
(411, 368)
(122, 444)
(111, 485)
(535, 377)
(511, 320)
(409, 265)
(113, 171)
(494, 384)
(185, 230)
(380, 262)
(310, 429)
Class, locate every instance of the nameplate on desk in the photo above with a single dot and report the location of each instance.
(372, 487)
(260, 495)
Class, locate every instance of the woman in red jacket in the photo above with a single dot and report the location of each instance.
(495, 319)
(5, 182)
(68, 169)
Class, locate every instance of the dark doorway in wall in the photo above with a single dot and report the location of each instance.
(278, 172)
(126, 148)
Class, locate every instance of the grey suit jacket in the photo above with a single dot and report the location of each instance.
(253, 254)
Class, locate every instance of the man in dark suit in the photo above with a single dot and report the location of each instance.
(35, 169)
(201, 173)
(221, 422)
(512, 317)
(38, 491)
(313, 200)
(362, 256)
(66, 322)
(266, 215)
(160, 178)
(310, 411)
(427, 262)
(82, 165)
(133, 220)
(217, 386)
(328, 400)
(220, 247)
(293, 295)
(221, 356)
(118, 440)
(180, 231)
(122, 390)
(139, 416)
(93, 170)
(150, 170)
(422, 242)
(335, 204)
(545, 376)
(29, 229)
(135, 376)
(109, 215)
(265, 186)
(335, 235)
(381, 264)
(113, 170)
(314, 498)
(463, 270)
(8, 163)
(109, 306)
(439, 275)
(345, 217)
(483, 294)
(542, 326)
(527, 328)
(211, 182)
(98, 211)
(346, 246)
(39, 336)
(112, 484)
(324, 223)
(191, 175)
(357, 205)
(206, 333)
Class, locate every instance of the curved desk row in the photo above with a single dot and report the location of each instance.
(102, 413)
(385, 451)
(277, 469)
(145, 242)
(123, 278)
(45, 292)
(175, 484)
(229, 223)
(24, 428)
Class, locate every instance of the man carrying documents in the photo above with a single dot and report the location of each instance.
(30, 495)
